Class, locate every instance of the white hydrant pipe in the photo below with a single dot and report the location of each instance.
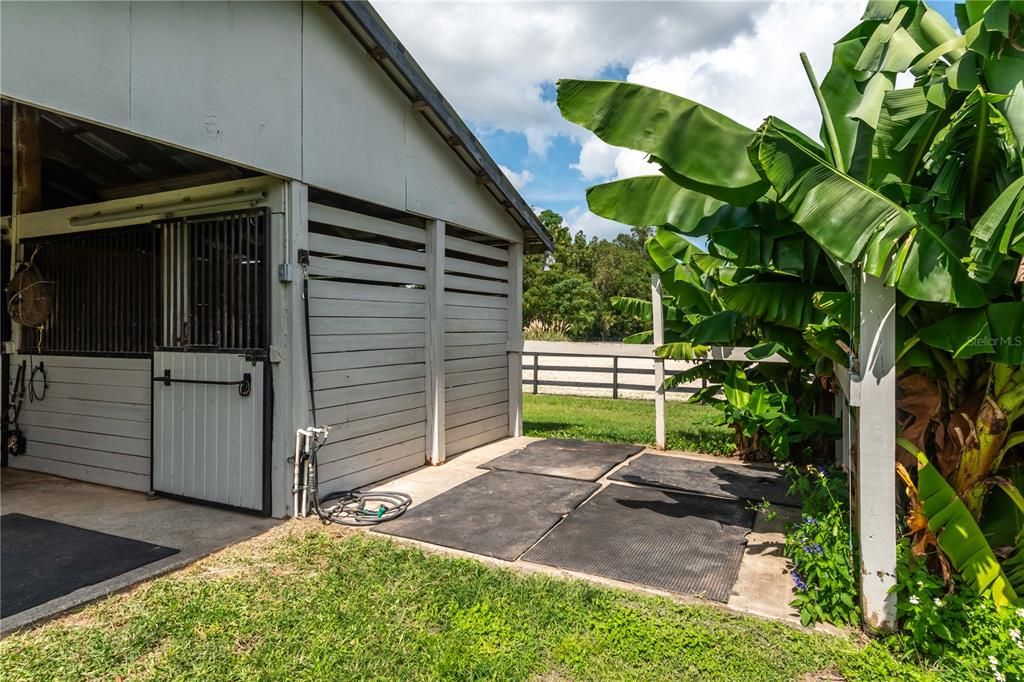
(307, 451)
(304, 440)
(296, 473)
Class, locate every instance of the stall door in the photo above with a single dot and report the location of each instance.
(210, 384)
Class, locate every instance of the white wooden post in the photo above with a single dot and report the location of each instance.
(289, 234)
(515, 340)
(435, 341)
(875, 472)
(659, 364)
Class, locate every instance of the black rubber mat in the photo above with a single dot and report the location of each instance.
(733, 481)
(671, 541)
(499, 514)
(41, 560)
(578, 459)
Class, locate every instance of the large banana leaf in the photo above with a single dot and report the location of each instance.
(668, 249)
(891, 48)
(975, 149)
(903, 132)
(789, 304)
(651, 200)
(855, 223)
(863, 72)
(718, 328)
(705, 150)
(845, 94)
(641, 308)
(998, 230)
(687, 295)
(958, 534)
(1013, 566)
(996, 331)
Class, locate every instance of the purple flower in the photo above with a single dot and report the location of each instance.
(798, 581)
(809, 520)
(813, 548)
(822, 472)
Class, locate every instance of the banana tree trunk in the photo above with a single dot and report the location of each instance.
(983, 455)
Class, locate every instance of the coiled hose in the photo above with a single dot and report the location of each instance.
(352, 507)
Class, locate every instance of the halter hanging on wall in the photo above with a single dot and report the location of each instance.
(29, 297)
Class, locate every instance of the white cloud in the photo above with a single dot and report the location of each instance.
(757, 74)
(518, 180)
(597, 159)
(579, 218)
(492, 59)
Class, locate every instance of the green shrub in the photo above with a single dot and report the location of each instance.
(819, 549)
(952, 625)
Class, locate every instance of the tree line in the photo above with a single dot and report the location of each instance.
(568, 292)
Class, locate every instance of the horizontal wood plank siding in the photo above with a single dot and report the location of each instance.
(368, 330)
(476, 339)
(94, 423)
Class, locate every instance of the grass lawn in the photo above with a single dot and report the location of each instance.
(304, 603)
(688, 427)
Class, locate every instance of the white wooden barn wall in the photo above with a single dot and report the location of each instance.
(94, 423)
(476, 337)
(367, 324)
(278, 87)
(369, 309)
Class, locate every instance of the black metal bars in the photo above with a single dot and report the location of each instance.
(213, 282)
(102, 292)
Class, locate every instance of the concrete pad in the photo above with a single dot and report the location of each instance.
(429, 481)
(193, 529)
(763, 587)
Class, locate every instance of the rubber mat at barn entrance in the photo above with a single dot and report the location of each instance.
(577, 459)
(672, 541)
(703, 477)
(500, 514)
(41, 560)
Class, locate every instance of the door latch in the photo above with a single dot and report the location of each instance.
(244, 386)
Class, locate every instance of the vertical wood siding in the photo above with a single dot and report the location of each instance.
(476, 335)
(208, 439)
(368, 331)
(94, 423)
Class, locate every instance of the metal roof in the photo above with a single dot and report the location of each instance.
(384, 47)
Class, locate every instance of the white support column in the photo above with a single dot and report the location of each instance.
(874, 470)
(659, 364)
(435, 341)
(289, 232)
(515, 340)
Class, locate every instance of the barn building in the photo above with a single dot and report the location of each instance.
(176, 175)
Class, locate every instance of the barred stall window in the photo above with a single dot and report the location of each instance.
(213, 282)
(102, 290)
(197, 283)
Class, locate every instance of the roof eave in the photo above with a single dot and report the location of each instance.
(384, 47)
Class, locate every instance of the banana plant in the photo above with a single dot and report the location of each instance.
(922, 186)
(940, 517)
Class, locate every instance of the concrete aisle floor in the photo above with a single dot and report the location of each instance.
(193, 529)
(763, 586)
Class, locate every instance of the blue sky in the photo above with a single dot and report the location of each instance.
(555, 185)
(497, 63)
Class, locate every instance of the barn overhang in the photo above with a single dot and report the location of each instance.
(388, 52)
